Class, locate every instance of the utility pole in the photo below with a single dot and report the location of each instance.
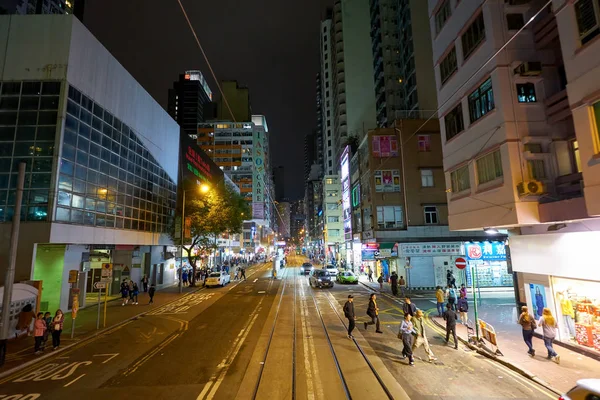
(181, 244)
(9, 277)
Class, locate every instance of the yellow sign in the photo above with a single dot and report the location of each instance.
(73, 275)
(75, 306)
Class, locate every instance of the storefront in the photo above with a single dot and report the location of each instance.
(553, 273)
(489, 262)
(425, 265)
(387, 259)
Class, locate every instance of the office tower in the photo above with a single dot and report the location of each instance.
(187, 100)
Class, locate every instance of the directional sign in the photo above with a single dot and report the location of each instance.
(106, 272)
(460, 263)
(100, 285)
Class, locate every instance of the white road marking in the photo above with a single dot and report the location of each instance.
(254, 281)
(309, 349)
(110, 356)
(261, 292)
(74, 380)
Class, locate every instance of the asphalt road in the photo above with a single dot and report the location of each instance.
(218, 342)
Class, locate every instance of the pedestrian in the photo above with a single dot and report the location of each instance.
(48, 322)
(448, 278)
(452, 280)
(451, 296)
(39, 327)
(57, 327)
(26, 317)
(131, 291)
(380, 280)
(373, 312)
(370, 274)
(124, 292)
(409, 307)
(237, 273)
(184, 277)
(145, 283)
(463, 308)
(349, 313)
(421, 338)
(151, 292)
(406, 333)
(136, 291)
(549, 326)
(463, 290)
(402, 283)
(394, 283)
(439, 296)
(528, 324)
(450, 317)
(243, 273)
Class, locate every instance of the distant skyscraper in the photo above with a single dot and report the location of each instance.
(187, 100)
(43, 7)
(325, 100)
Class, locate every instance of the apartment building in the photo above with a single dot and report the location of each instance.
(519, 133)
(333, 233)
(326, 98)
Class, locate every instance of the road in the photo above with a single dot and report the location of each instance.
(263, 338)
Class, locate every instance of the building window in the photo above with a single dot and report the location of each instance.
(431, 215)
(489, 167)
(514, 22)
(526, 93)
(537, 169)
(474, 35)
(587, 13)
(481, 101)
(453, 121)
(332, 206)
(331, 193)
(389, 217)
(333, 219)
(427, 178)
(329, 181)
(424, 142)
(442, 16)
(448, 65)
(460, 179)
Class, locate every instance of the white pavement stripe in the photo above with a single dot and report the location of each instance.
(74, 380)
(311, 344)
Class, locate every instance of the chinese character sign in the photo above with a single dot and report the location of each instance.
(385, 146)
(486, 251)
(431, 249)
(387, 181)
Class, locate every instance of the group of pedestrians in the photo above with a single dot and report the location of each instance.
(44, 326)
(130, 291)
(549, 327)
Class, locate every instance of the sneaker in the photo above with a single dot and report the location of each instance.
(456, 347)
(412, 364)
(432, 359)
(378, 331)
(403, 357)
(366, 326)
(533, 353)
(350, 337)
(556, 359)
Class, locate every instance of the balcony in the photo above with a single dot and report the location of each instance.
(545, 31)
(557, 107)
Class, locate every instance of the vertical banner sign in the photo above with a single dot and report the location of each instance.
(258, 173)
(75, 306)
(346, 206)
(187, 228)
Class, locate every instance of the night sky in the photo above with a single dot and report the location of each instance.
(271, 46)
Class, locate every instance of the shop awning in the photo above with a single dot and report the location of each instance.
(387, 250)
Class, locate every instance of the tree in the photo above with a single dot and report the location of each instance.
(220, 210)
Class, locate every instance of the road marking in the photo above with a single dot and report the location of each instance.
(74, 380)
(261, 292)
(148, 356)
(308, 342)
(52, 372)
(30, 396)
(110, 356)
(254, 281)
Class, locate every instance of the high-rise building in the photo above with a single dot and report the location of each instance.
(235, 105)
(279, 182)
(325, 97)
(352, 89)
(333, 233)
(309, 154)
(187, 100)
(519, 117)
(283, 217)
(319, 131)
(102, 161)
(23, 7)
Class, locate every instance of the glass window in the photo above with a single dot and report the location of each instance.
(86, 117)
(587, 14)
(424, 143)
(514, 22)
(389, 217)
(64, 198)
(68, 152)
(9, 103)
(460, 179)
(51, 88)
(489, 167)
(8, 118)
(74, 94)
(63, 214)
(427, 178)
(11, 88)
(537, 169)
(474, 35)
(24, 149)
(448, 65)
(42, 164)
(481, 100)
(70, 138)
(77, 216)
(32, 88)
(40, 180)
(46, 133)
(444, 12)
(27, 118)
(453, 122)
(431, 215)
(30, 103)
(50, 103)
(7, 133)
(526, 93)
(90, 204)
(87, 103)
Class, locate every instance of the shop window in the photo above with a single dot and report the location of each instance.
(489, 167)
(431, 215)
(526, 93)
(427, 178)
(481, 100)
(460, 179)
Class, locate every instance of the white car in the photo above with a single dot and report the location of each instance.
(586, 389)
(332, 270)
(218, 279)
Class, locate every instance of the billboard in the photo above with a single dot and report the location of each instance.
(385, 146)
(346, 204)
(258, 174)
(387, 181)
(196, 166)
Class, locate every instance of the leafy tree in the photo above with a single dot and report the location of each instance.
(208, 215)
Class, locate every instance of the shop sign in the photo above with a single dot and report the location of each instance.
(384, 253)
(486, 251)
(368, 255)
(431, 249)
(387, 181)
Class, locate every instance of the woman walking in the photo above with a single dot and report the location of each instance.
(136, 292)
(407, 330)
(528, 324)
(57, 327)
(548, 324)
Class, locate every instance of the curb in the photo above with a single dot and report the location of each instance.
(87, 338)
(511, 366)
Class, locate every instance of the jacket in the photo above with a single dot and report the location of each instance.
(419, 326)
(372, 310)
(40, 327)
(450, 317)
(151, 291)
(527, 325)
(349, 310)
(394, 280)
(462, 304)
(58, 321)
(410, 309)
(549, 331)
(439, 295)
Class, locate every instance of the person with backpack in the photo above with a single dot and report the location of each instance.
(549, 326)
(463, 308)
(349, 314)
(151, 292)
(528, 325)
(402, 284)
(451, 296)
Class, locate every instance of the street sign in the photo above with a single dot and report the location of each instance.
(73, 274)
(460, 263)
(107, 270)
(100, 285)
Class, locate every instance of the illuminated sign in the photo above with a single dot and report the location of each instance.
(258, 174)
(346, 207)
(196, 165)
(385, 146)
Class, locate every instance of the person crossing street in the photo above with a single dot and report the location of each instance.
(421, 338)
(450, 317)
(373, 312)
(349, 313)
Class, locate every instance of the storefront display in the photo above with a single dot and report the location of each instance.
(489, 262)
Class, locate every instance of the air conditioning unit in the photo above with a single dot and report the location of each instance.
(533, 188)
(529, 69)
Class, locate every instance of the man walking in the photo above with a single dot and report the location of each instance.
(421, 339)
(151, 292)
(402, 283)
(373, 312)
(370, 274)
(408, 307)
(380, 280)
(439, 296)
(450, 317)
(406, 333)
(145, 283)
(243, 271)
(349, 313)
(394, 283)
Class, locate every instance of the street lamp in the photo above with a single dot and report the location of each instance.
(204, 188)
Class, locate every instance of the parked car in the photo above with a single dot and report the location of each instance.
(332, 269)
(217, 279)
(306, 268)
(320, 278)
(586, 389)
(347, 277)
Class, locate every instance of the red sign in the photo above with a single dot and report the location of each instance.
(460, 263)
(474, 252)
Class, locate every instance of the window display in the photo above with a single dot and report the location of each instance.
(578, 304)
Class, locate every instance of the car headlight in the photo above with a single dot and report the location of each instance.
(320, 280)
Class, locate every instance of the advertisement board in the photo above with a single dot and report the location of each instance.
(387, 181)
(486, 251)
(196, 165)
(258, 174)
(385, 146)
(346, 205)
